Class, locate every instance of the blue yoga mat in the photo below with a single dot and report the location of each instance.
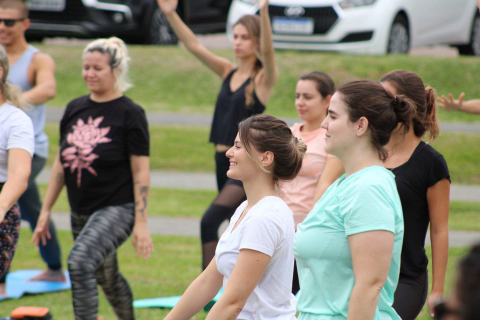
(18, 284)
(169, 302)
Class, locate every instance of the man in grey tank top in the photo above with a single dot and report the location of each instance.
(34, 73)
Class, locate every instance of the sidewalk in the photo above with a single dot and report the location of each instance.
(191, 228)
(54, 114)
(206, 181)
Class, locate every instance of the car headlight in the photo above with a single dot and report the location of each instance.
(252, 2)
(354, 3)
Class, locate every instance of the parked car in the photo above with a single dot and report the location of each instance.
(368, 26)
(132, 20)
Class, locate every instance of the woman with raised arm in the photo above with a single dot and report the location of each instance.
(254, 257)
(450, 104)
(104, 163)
(348, 248)
(319, 170)
(16, 151)
(423, 182)
(246, 89)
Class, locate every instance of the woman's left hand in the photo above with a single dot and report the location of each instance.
(142, 241)
(432, 298)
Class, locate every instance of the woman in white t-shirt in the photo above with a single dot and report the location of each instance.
(254, 258)
(16, 150)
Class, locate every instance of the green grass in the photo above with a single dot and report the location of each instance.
(184, 148)
(464, 216)
(171, 79)
(162, 202)
(174, 264)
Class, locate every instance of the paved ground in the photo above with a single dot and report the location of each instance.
(54, 114)
(191, 228)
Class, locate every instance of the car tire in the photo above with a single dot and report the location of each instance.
(159, 31)
(399, 37)
(473, 48)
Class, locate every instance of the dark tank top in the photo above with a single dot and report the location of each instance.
(230, 110)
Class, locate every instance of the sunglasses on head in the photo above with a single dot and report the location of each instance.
(10, 22)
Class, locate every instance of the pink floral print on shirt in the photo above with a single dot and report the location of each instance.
(84, 138)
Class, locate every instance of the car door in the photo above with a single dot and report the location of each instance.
(208, 11)
(437, 21)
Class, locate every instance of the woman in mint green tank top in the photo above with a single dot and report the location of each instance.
(348, 248)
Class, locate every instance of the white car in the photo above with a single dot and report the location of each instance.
(368, 26)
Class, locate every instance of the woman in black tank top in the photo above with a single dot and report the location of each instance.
(423, 183)
(245, 91)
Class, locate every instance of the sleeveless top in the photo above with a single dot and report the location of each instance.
(231, 109)
(18, 76)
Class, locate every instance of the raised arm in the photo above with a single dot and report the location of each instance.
(45, 86)
(438, 198)
(268, 76)
(200, 292)
(371, 257)
(248, 271)
(19, 166)
(141, 187)
(55, 185)
(219, 65)
(470, 106)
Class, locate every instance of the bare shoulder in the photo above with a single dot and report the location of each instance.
(43, 61)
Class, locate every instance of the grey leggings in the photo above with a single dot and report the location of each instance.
(93, 259)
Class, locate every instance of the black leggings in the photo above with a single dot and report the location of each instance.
(410, 296)
(93, 260)
(231, 195)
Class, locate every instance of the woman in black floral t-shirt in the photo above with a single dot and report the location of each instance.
(104, 163)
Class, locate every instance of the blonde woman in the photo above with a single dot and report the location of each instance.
(16, 151)
(247, 87)
(104, 163)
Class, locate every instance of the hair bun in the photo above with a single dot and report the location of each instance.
(301, 146)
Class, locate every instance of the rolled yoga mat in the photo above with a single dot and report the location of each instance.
(18, 284)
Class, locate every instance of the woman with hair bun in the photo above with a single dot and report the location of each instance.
(423, 182)
(104, 163)
(16, 151)
(246, 89)
(254, 258)
(348, 248)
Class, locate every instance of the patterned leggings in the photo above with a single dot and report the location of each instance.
(9, 231)
(93, 259)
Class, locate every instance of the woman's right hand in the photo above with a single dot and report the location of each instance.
(168, 6)
(450, 103)
(41, 232)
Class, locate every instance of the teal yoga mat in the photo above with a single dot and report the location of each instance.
(18, 284)
(170, 302)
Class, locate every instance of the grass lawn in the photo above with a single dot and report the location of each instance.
(175, 263)
(184, 148)
(171, 79)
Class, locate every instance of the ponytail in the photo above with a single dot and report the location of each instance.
(13, 95)
(249, 100)
(431, 123)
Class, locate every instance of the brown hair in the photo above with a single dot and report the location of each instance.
(266, 133)
(15, 4)
(252, 24)
(369, 99)
(325, 85)
(409, 84)
(10, 92)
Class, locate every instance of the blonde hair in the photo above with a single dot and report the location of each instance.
(119, 58)
(11, 93)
